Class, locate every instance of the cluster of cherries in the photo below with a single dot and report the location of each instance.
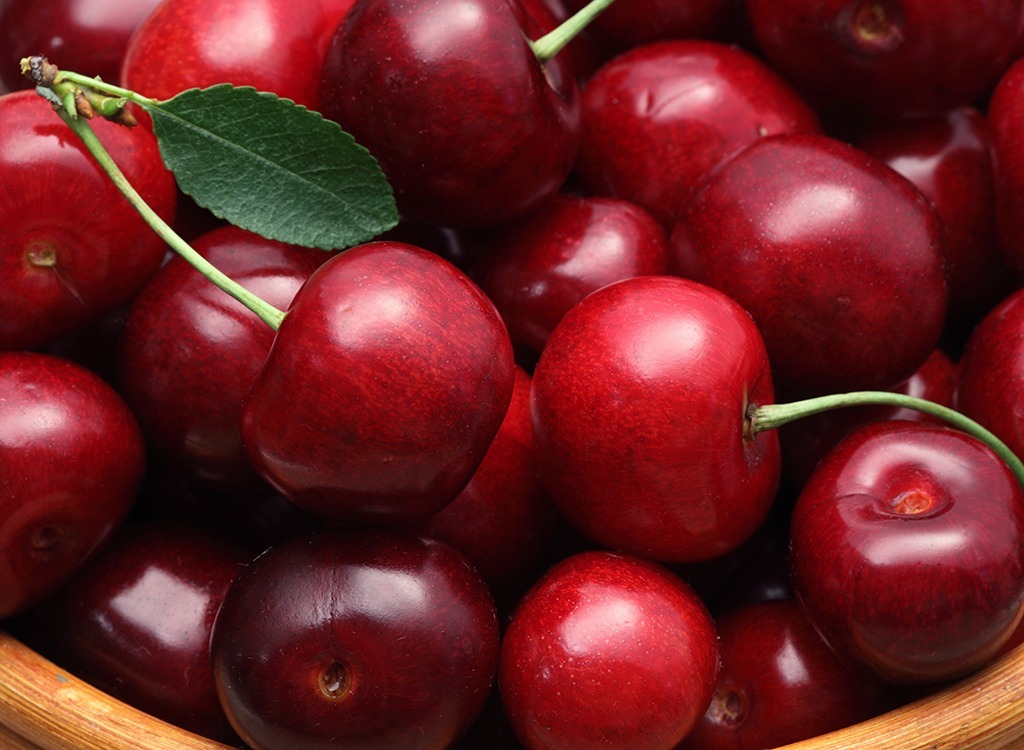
(509, 474)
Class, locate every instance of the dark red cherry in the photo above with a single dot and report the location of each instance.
(537, 268)
(364, 640)
(393, 75)
(837, 257)
(136, 622)
(71, 463)
(189, 353)
(889, 58)
(1006, 115)
(86, 36)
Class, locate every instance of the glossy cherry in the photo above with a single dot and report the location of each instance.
(87, 36)
(607, 650)
(949, 158)
(779, 683)
(629, 23)
(907, 551)
(273, 45)
(72, 247)
(537, 268)
(136, 622)
(189, 353)
(889, 58)
(657, 118)
(837, 257)
(71, 463)
(391, 76)
(502, 521)
(386, 383)
(1006, 115)
(990, 386)
(374, 641)
(639, 402)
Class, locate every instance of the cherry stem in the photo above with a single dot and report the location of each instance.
(554, 41)
(265, 311)
(772, 416)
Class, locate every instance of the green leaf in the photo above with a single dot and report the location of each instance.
(274, 167)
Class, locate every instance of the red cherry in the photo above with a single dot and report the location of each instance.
(657, 118)
(502, 521)
(1006, 114)
(949, 158)
(391, 77)
(189, 353)
(386, 383)
(990, 386)
(889, 58)
(72, 247)
(273, 45)
(374, 641)
(85, 36)
(137, 622)
(837, 257)
(71, 463)
(607, 650)
(639, 403)
(537, 268)
(907, 551)
(778, 683)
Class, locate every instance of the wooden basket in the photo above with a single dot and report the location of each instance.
(44, 708)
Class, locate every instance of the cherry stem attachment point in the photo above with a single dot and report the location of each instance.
(771, 416)
(554, 41)
(265, 311)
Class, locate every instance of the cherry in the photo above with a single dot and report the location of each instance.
(639, 403)
(189, 353)
(631, 23)
(502, 521)
(537, 268)
(71, 463)
(837, 257)
(991, 374)
(657, 118)
(949, 158)
(888, 58)
(375, 641)
(907, 551)
(137, 620)
(508, 145)
(779, 683)
(1005, 113)
(273, 45)
(386, 383)
(607, 650)
(72, 248)
(86, 35)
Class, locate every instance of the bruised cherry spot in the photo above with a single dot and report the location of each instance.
(729, 707)
(334, 682)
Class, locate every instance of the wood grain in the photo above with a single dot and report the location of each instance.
(44, 708)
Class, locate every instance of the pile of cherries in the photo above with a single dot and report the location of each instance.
(507, 476)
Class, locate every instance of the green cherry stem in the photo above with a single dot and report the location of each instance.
(771, 416)
(554, 41)
(265, 311)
